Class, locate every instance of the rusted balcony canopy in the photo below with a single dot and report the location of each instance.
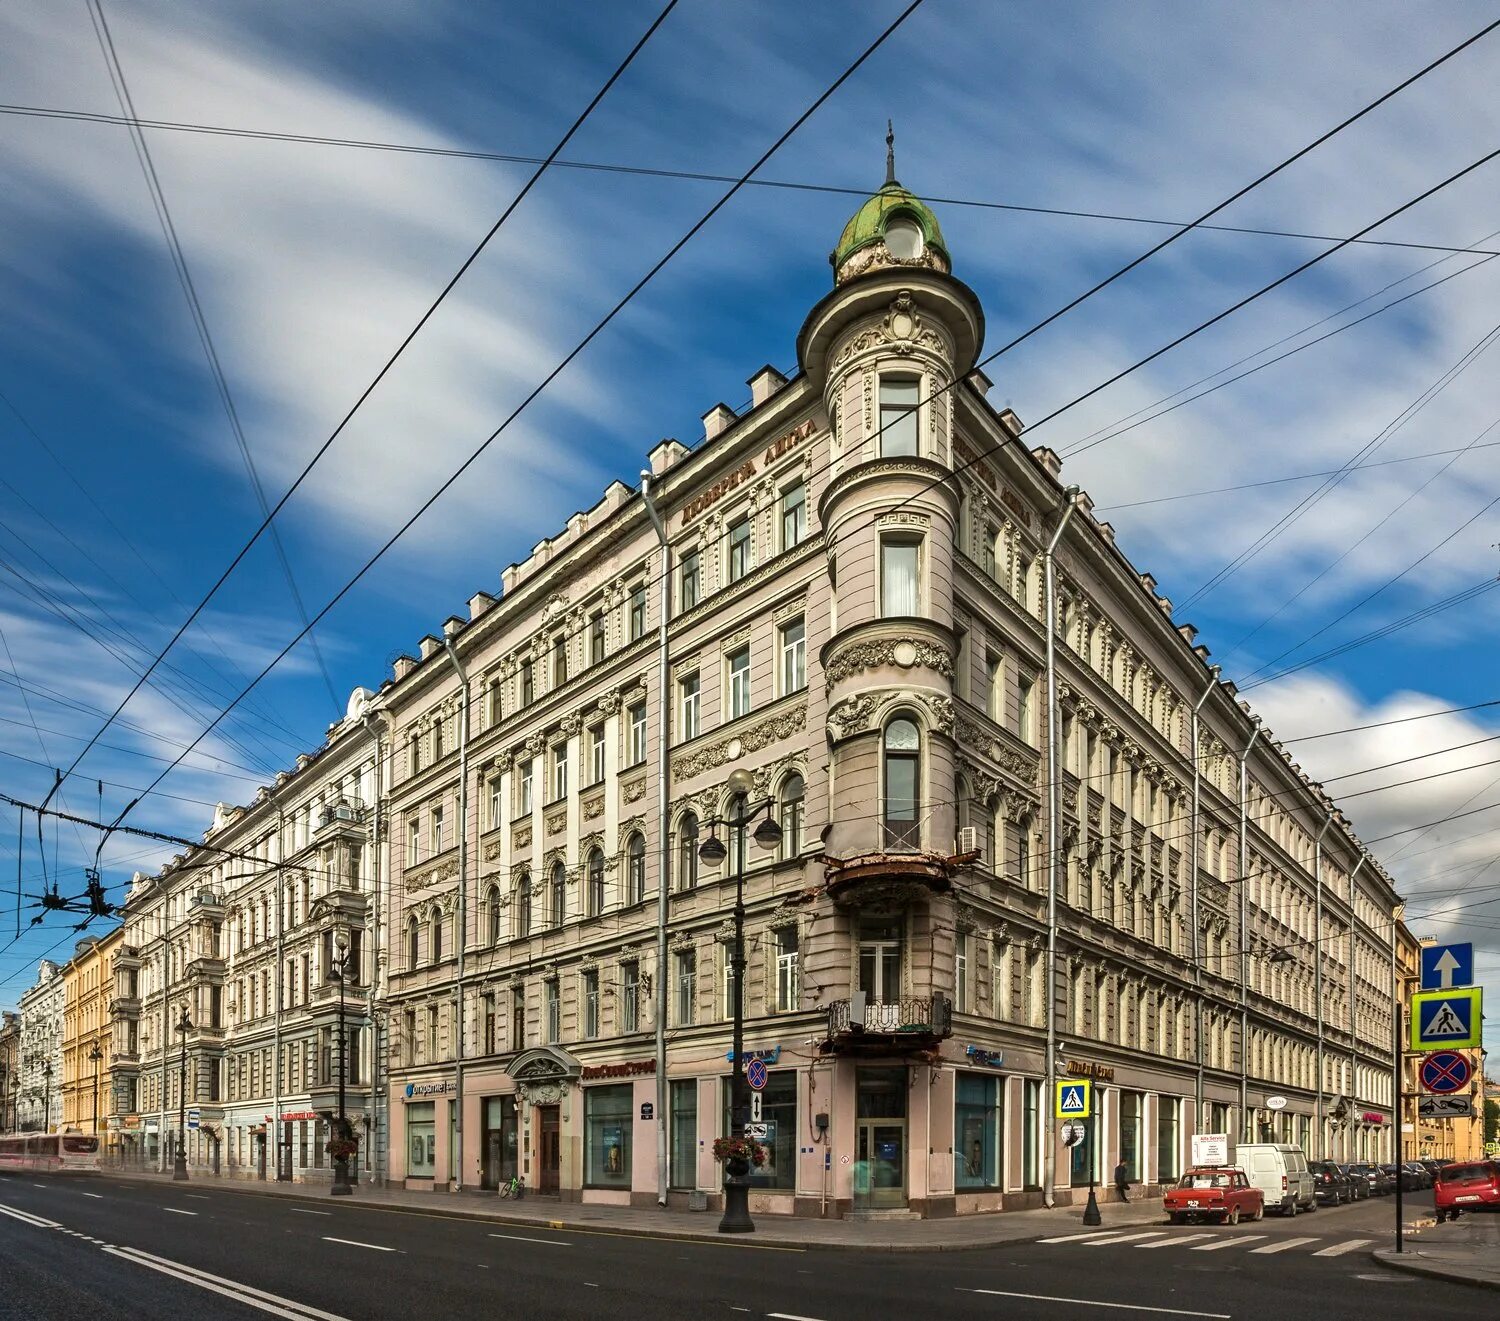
(889, 879)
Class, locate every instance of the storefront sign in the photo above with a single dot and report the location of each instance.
(1371, 1117)
(448, 1088)
(1210, 1148)
(648, 1111)
(630, 1069)
(292, 1116)
(769, 1056)
(1083, 1069)
(990, 1059)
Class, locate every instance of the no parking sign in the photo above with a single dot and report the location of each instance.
(756, 1075)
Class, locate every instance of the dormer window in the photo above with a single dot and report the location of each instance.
(903, 238)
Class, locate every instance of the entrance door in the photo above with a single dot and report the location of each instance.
(880, 1137)
(549, 1148)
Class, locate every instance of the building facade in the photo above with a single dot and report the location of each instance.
(1026, 832)
(88, 986)
(10, 1068)
(38, 1101)
(240, 935)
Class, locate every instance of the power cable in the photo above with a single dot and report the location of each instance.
(384, 370)
(1398, 720)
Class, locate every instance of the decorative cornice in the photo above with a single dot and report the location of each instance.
(774, 728)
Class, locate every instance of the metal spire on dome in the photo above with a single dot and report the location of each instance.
(890, 153)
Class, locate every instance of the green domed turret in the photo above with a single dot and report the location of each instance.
(893, 228)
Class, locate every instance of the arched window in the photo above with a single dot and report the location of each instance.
(739, 830)
(635, 868)
(687, 851)
(492, 912)
(557, 895)
(903, 749)
(522, 905)
(792, 792)
(596, 883)
(435, 950)
(411, 944)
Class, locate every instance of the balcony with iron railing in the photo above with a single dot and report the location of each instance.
(861, 1026)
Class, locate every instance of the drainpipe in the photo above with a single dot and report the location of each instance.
(663, 787)
(1213, 682)
(1244, 942)
(274, 1136)
(377, 1132)
(1353, 1001)
(463, 901)
(1054, 814)
(1318, 973)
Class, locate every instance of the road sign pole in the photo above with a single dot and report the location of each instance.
(1400, 1114)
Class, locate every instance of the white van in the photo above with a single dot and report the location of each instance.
(1280, 1171)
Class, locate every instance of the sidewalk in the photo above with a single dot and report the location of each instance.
(956, 1234)
(1467, 1252)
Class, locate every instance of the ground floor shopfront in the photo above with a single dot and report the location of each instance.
(958, 1134)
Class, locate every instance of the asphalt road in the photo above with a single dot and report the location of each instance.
(97, 1248)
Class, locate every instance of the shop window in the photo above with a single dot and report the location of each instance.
(778, 1108)
(1031, 1104)
(978, 1125)
(683, 1168)
(421, 1140)
(1131, 1146)
(606, 1135)
(1168, 1110)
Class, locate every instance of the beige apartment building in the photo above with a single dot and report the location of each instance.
(1026, 833)
(10, 1068)
(88, 987)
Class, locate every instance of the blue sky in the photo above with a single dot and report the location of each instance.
(312, 261)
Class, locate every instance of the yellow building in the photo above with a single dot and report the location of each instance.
(88, 982)
(1433, 1139)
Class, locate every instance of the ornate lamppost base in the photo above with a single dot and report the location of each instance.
(736, 1219)
(179, 1167)
(341, 1186)
(1091, 1211)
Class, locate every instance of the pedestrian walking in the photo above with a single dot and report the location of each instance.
(1122, 1181)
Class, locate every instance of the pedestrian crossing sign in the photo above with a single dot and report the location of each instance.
(1451, 1019)
(1074, 1098)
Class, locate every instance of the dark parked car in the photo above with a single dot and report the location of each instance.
(1379, 1182)
(1331, 1185)
(1420, 1175)
(1433, 1167)
(1410, 1181)
(1359, 1187)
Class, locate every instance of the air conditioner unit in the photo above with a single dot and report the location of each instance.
(968, 841)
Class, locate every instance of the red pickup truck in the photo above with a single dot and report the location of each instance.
(1219, 1193)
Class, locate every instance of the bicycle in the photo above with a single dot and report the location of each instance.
(512, 1187)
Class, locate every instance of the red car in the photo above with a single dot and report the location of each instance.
(1470, 1186)
(1219, 1193)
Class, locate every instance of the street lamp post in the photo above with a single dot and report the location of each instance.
(736, 1218)
(179, 1157)
(4, 1084)
(341, 1186)
(46, 1096)
(95, 1054)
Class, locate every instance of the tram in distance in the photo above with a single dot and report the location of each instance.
(49, 1153)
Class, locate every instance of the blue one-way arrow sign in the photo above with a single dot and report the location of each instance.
(1447, 966)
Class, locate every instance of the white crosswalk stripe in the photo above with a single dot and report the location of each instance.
(1285, 1245)
(1073, 1238)
(1338, 1249)
(1237, 1241)
(1123, 1238)
(1173, 1242)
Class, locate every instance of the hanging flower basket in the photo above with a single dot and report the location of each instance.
(342, 1148)
(740, 1149)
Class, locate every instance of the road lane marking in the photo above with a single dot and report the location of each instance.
(303, 1211)
(521, 1238)
(39, 1185)
(354, 1243)
(178, 1211)
(1124, 1238)
(791, 1316)
(1073, 1238)
(197, 1197)
(1175, 1241)
(1094, 1302)
(1339, 1249)
(1239, 1240)
(25, 1217)
(242, 1293)
(100, 1196)
(1285, 1244)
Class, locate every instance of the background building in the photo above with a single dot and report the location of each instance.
(38, 1102)
(10, 1068)
(88, 987)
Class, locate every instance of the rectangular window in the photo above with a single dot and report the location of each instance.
(494, 704)
(689, 581)
(686, 969)
(637, 750)
(596, 754)
(552, 1002)
(899, 564)
(1025, 688)
(687, 706)
(978, 1122)
(630, 997)
(437, 830)
(559, 771)
(1167, 1110)
(961, 972)
(517, 1018)
(880, 941)
(778, 1109)
(607, 1123)
(1131, 1147)
(788, 980)
(489, 1040)
(739, 549)
(596, 639)
(898, 415)
(793, 656)
(992, 692)
(497, 804)
(637, 620)
(590, 1005)
(523, 789)
(793, 515)
(528, 683)
(683, 1171)
(559, 661)
(413, 843)
(987, 551)
(737, 669)
(421, 1139)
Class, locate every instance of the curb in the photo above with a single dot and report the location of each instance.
(1412, 1264)
(762, 1239)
